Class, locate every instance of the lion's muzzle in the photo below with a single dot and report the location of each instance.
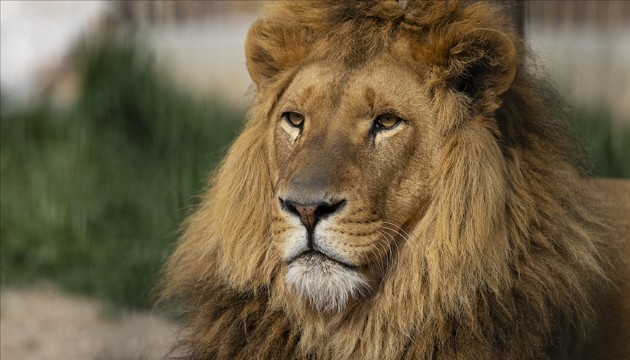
(311, 214)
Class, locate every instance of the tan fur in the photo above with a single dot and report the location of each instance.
(467, 229)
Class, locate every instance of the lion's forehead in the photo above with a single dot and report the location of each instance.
(376, 85)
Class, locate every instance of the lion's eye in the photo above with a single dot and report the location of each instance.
(294, 119)
(386, 121)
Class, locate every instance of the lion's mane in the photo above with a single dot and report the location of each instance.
(502, 264)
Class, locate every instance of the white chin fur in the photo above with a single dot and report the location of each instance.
(326, 284)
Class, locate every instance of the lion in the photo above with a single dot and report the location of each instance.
(404, 188)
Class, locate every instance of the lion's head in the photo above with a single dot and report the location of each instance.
(354, 137)
(401, 175)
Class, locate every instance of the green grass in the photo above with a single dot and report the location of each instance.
(607, 145)
(92, 196)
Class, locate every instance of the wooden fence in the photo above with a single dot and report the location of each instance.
(142, 12)
(580, 13)
(557, 13)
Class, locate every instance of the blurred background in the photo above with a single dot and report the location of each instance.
(114, 112)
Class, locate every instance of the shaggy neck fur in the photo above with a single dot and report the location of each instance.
(504, 258)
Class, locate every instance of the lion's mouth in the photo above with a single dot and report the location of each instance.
(316, 256)
(327, 283)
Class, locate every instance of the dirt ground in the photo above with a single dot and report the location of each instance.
(45, 323)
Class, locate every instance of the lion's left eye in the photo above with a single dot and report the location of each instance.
(294, 119)
(386, 121)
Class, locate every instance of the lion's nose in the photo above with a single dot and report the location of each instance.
(310, 214)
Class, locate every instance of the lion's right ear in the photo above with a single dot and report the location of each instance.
(475, 61)
(484, 56)
(273, 45)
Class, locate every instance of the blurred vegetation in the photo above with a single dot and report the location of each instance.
(92, 196)
(607, 145)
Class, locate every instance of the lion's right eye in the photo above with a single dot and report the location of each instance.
(386, 121)
(294, 119)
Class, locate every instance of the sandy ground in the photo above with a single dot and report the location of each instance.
(44, 323)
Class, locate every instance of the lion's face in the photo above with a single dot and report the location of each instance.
(352, 150)
(356, 121)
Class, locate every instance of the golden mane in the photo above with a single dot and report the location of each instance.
(504, 262)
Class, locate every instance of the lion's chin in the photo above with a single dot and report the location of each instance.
(325, 283)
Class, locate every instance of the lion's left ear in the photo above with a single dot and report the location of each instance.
(478, 61)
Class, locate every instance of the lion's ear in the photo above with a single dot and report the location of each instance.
(274, 45)
(478, 61)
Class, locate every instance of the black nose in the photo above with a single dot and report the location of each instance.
(310, 214)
